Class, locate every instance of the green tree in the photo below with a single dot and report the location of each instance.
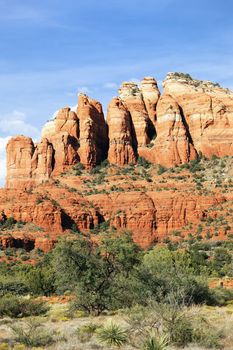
(170, 276)
(101, 275)
(222, 260)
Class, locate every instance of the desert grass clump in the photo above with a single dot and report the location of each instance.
(86, 332)
(32, 334)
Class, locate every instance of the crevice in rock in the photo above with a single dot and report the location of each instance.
(151, 130)
(133, 135)
(66, 221)
(186, 126)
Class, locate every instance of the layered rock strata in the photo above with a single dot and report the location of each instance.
(208, 111)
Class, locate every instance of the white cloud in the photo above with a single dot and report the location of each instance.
(74, 108)
(84, 90)
(3, 143)
(16, 123)
(55, 114)
(110, 85)
(135, 80)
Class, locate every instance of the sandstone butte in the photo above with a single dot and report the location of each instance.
(190, 117)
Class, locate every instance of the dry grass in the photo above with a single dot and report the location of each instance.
(67, 328)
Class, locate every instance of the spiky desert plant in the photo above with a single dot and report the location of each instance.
(154, 342)
(112, 334)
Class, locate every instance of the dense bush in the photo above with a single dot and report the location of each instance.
(170, 274)
(13, 287)
(13, 306)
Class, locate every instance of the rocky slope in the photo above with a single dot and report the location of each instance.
(59, 186)
(156, 205)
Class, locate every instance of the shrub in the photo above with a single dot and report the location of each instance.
(161, 170)
(13, 306)
(104, 164)
(32, 333)
(170, 275)
(144, 162)
(13, 287)
(214, 157)
(4, 346)
(7, 223)
(112, 335)
(206, 336)
(180, 331)
(78, 169)
(86, 332)
(220, 296)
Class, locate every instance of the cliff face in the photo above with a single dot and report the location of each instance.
(20, 151)
(173, 144)
(191, 116)
(208, 111)
(121, 147)
(93, 132)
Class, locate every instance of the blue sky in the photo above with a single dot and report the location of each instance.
(52, 49)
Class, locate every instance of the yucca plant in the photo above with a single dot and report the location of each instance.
(112, 334)
(154, 342)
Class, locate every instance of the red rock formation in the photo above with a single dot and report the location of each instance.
(67, 121)
(173, 145)
(27, 207)
(191, 116)
(27, 241)
(64, 121)
(208, 110)
(152, 215)
(121, 149)
(42, 161)
(29, 164)
(151, 210)
(65, 152)
(132, 98)
(63, 133)
(20, 150)
(93, 132)
(150, 94)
